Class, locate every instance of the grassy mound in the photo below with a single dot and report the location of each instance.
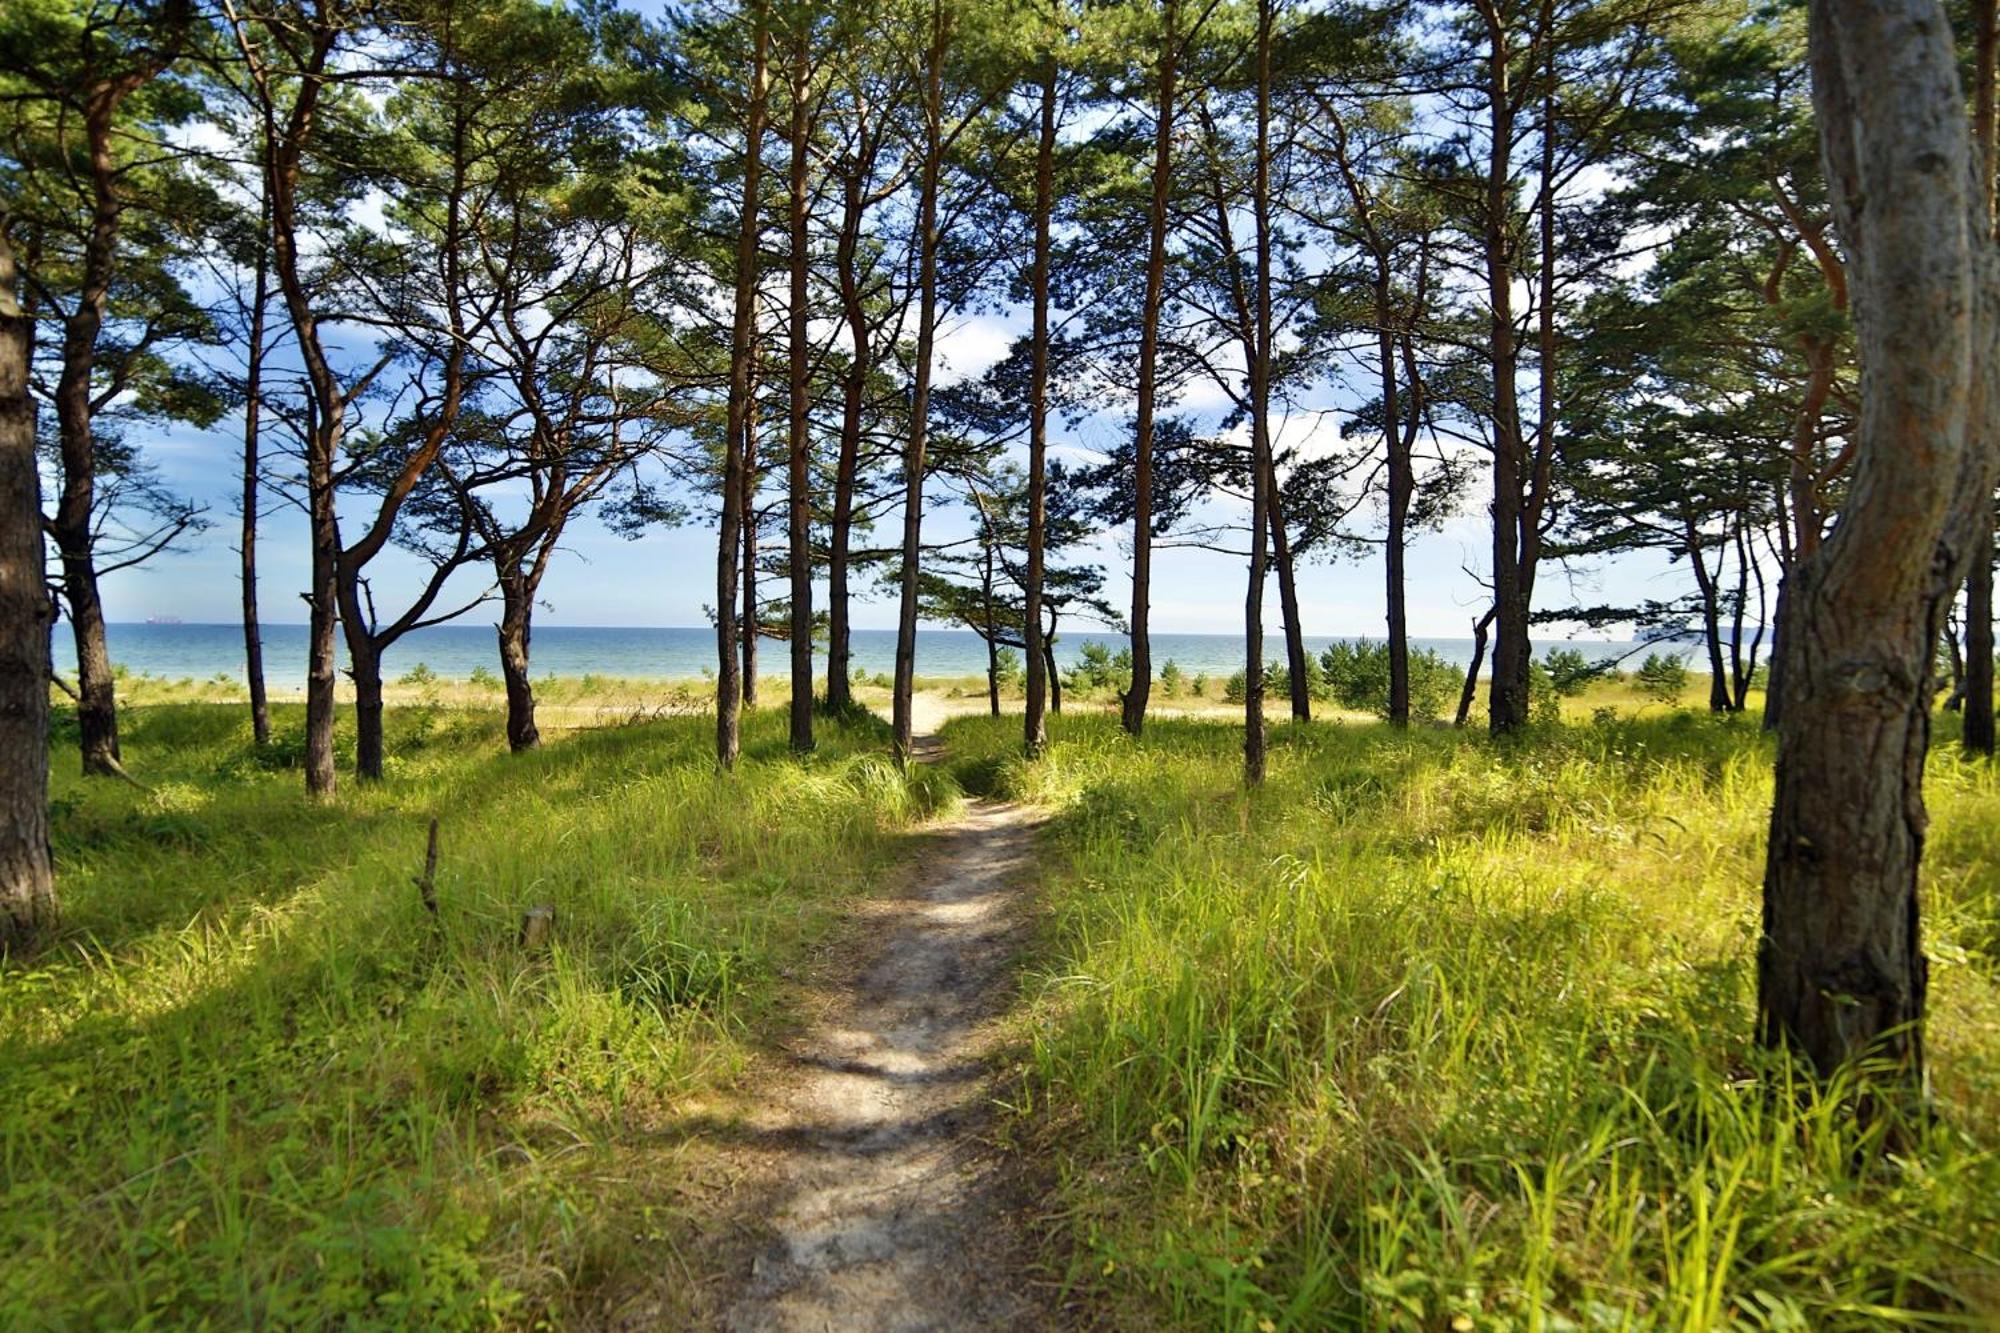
(255, 1084)
(1431, 1033)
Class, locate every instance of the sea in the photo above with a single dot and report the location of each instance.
(175, 651)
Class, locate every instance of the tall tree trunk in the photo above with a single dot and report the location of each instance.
(1841, 971)
(73, 524)
(728, 684)
(798, 498)
(1035, 731)
(322, 615)
(920, 389)
(253, 404)
(27, 880)
(1262, 473)
(1509, 707)
(854, 393)
(517, 608)
(1133, 711)
(326, 405)
(1401, 487)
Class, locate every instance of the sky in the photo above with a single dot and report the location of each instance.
(666, 577)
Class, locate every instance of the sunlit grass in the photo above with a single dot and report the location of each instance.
(253, 1083)
(1431, 1033)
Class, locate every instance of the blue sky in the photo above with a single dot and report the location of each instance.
(666, 578)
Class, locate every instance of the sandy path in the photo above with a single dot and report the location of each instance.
(894, 1213)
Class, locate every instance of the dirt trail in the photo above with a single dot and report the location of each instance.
(893, 1212)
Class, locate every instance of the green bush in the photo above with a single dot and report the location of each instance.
(1357, 676)
(1663, 676)
(1172, 681)
(1570, 672)
(1099, 669)
(1007, 668)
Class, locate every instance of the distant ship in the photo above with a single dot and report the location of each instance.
(164, 620)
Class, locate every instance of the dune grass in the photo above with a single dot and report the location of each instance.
(1436, 1034)
(254, 1084)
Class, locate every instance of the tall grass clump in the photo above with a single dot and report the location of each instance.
(1433, 1033)
(255, 1084)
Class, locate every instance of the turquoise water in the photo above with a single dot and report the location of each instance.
(454, 651)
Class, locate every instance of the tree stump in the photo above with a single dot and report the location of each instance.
(538, 925)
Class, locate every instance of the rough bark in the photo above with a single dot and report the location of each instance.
(364, 668)
(1841, 971)
(1133, 710)
(728, 684)
(27, 880)
(514, 631)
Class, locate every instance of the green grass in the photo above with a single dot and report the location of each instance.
(253, 1084)
(1434, 1034)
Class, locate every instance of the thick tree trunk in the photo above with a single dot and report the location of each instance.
(920, 388)
(364, 668)
(1133, 709)
(798, 497)
(517, 606)
(1841, 971)
(321, 618)
(1034, 731)
(27, 880)
(729, 535)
